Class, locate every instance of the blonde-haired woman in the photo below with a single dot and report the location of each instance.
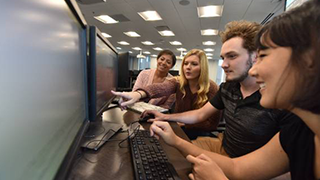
(193, 89)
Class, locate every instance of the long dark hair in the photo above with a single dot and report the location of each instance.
(299, 29)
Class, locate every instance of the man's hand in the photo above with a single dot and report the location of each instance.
(205, 168)
(163, 129)
(158, 116)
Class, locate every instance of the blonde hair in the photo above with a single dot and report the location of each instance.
(203, 80)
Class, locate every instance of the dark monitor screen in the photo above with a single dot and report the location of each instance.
(43, 86)
(102, 72)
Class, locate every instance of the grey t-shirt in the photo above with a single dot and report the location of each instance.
(249, 126)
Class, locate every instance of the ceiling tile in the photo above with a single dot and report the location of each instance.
(182, 20)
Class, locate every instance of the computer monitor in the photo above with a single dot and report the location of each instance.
(103, 67)
(43, 103)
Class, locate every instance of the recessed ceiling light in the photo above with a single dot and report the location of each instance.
(150, 15)
(209, 11)
(209, 32)
(132, 34)
(181, 49)
(146, 52)
(209, 57)
(166, 33)
(208, 43)
(175, 43)
(148, 43)
(209, 54)
(137, 48)
(209, 50)
(106, 35)
(106, 19)
(123, 43)
(158, 49)
(153, 55)
(130, 52)
(118, 48)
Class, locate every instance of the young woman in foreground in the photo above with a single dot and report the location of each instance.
(288, 73)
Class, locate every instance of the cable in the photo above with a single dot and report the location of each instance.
(133, 132)
(130, 135)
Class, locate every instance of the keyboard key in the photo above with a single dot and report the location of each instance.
(150, 161)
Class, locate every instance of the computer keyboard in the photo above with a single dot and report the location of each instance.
(142, 106)
(149, 159)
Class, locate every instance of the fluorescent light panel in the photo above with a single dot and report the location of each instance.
(123, 43)
(209, 43)
(132, 34)
(150, 15)
(137, 48)
(106, 19)
(148, 43)
(209, 32)
(153, 55)
(166, 33)
(106, 35)
(146, 52)
(208, 50)
(209, 57)
(118, 48)
(209, 11)
(181, 49)
(175, 43)
(209, 54)
(158, 49)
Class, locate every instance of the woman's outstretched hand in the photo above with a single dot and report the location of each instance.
(127, 98)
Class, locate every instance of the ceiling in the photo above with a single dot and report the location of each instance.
(183, 20)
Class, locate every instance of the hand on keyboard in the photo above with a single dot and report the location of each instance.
(163, 129)
(149, 159)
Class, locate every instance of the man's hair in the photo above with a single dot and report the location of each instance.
(170, 53)
(299, 29)
(243, 29)
(203, 80)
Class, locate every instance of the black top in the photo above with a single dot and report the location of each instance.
(248, 125)
(297, 140)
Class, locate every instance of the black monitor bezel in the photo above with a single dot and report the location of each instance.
(94, 114)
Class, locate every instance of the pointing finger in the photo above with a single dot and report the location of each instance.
(192, 159)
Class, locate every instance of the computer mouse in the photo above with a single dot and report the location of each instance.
(146, 118)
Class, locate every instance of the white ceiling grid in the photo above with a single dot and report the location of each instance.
(183, 20)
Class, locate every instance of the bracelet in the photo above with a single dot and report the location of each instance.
(139, 93)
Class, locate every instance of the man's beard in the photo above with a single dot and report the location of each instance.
(245, 74)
